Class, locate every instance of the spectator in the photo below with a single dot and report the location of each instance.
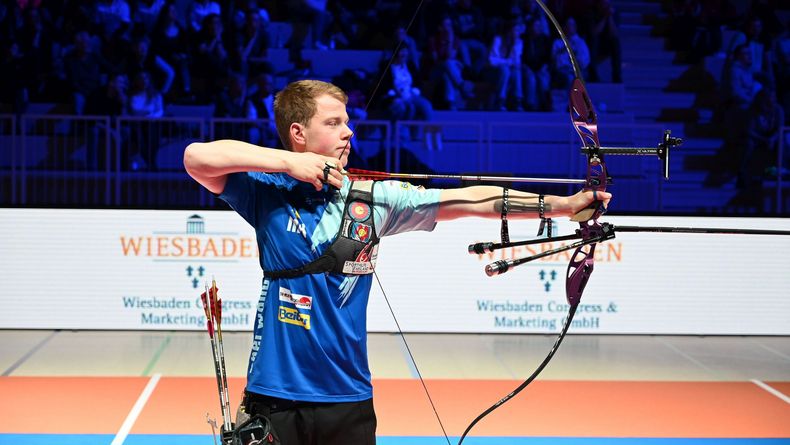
(146, 15)
(310, 18)
(232, 101)
(199, 10)
(262, 100)
(112, 17)
(211, 58)
(762, 137)
(741, 86)
(141, 59)
(405, 40)
(111, 100)
(468, 20)
(242, 9)
(172, 44)
(750, 37)
(446, 72)
(504, 60)
(83, 70)
(533, 13)
(12, 87)
(405, 99)
(562, 67)
(68, 18)
(357, 84)
(604, 40)
(252, 44)
(739, 90)
(262, 107)
(35, 44)
(712, 16)
(144, 101)
(781, 64)
(696, 27)
(357, 23)
(768, 13)
(536, 59)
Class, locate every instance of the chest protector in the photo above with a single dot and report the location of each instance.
(355, 248)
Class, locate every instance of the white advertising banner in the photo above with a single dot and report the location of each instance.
(144, 269)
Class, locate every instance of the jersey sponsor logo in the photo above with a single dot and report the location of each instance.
(294, 225)
(359, 211)
(365, 254)
(360, 232)
(358, 267)
(294, 317)
(300, 301)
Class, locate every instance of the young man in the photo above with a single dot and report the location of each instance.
(317, 235)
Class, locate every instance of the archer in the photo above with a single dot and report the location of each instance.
(318, 234)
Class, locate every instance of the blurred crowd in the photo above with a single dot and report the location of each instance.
(755, 80)
(140, 57)
(133, 57)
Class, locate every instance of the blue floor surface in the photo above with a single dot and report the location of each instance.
(187, 439)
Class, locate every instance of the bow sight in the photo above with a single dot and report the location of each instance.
(662, 150)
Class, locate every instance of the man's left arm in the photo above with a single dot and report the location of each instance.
(487, 201)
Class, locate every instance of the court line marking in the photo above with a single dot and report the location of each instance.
(157, 354)
(683, 354)
(771, 390)
(127, 425)
(29, 354)
(408, 358)
(772, 350)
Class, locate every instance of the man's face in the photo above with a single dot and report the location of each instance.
(328, 133)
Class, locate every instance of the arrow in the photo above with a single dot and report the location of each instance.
(360, 174)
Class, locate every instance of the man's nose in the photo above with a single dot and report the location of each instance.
(348, 132)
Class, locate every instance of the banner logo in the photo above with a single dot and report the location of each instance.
(194, 243)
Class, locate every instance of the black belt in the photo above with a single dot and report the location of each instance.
(324, 263)
(260, 404)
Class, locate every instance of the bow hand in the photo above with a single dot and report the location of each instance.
(584, 205)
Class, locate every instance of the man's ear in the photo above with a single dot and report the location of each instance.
(298, 139)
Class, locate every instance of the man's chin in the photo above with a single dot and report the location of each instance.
(344, 159)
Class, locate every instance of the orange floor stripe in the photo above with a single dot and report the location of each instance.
(67, 405)
(783, 387)
(178, 405)
(586, 409)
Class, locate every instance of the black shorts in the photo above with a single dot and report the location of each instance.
(316, 423)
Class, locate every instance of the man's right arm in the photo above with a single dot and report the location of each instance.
(210, 163)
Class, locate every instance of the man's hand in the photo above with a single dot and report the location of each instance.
(315, 169)
(583, 199)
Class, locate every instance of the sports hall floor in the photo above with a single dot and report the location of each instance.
(114, 387)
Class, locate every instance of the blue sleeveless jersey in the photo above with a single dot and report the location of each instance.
(310, 335)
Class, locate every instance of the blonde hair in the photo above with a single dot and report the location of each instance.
(296, 103)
